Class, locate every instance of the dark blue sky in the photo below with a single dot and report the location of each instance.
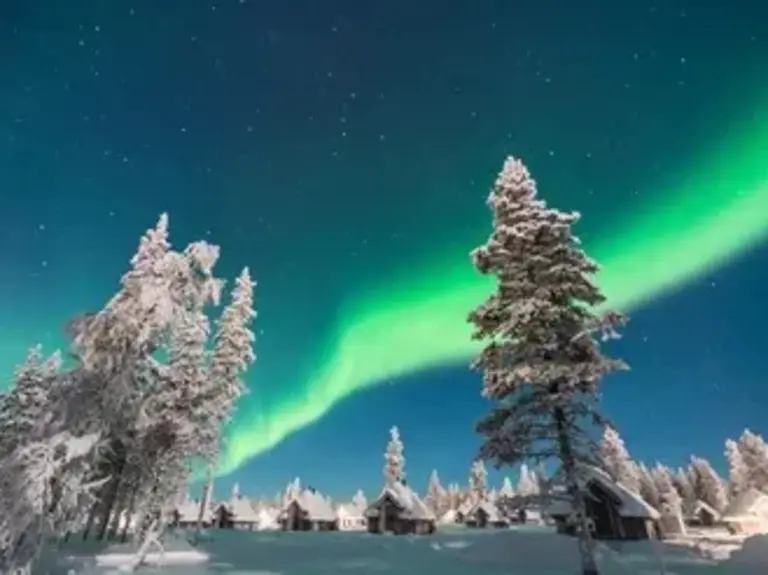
(331, 145)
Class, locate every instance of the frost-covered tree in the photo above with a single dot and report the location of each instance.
(707, 484)
(26, 409)
(506, 491)
(738, 472)
(435, 496)
(394, 459)
(669, 500)
(754, 452)
(359, 500)
(526, 484)
(541, 361)
(616, 461)
(648, 489)
(681, 479)
(454, 496)
(478, 481)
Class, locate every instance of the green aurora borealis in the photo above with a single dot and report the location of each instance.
(716, 212)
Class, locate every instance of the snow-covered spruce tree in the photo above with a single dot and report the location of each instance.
(435, 496)
(541, 361)
(527, 484)
(707, 484)
(616, 461)
(648, 490)
(394, 459)
(754, 452)
(26, 408)
(669, 500)
(359, 500)
(506, 491)
(738, 472)
(478, 481)
(681, 479)
(232, 355)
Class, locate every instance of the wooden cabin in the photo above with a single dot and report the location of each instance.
(222, 517)
(309, 511)
(242, 514)
(748, 513)
(484, 514)
(399, 510)
(351, 517)
(614, 511)
(185, 516)
(701, 514)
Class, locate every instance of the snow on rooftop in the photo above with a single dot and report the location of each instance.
(406, 498)
(242, 510)
(632, 505)
(745, 504)
(317, 507)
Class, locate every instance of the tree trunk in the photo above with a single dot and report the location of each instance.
(118, 511)
(109, 504)
(586, 543)
(130, 511)
(90, 520)
(203, 503)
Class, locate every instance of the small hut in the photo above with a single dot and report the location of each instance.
(310, 511)
(186, 515)
(222, 516)
(614, 511)
(242, 514)
(484, 514)
(701, 514)
(399, 510)
(748, 513)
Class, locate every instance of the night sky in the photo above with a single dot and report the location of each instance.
(343, 150)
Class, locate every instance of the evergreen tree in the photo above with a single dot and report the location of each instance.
(738, 472)
(394, 467)
(754, 452)
(616, 461)
(478, 481)
(435, 496)
(648, 490)
(359, 500)
(506, 491)
(707, 484)
(541, 361)
(26, 408)
(232, 353)
(526, 485)
(669, 500)
(681, 479)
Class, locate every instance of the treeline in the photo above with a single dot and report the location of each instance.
(150, 385)
(679, 489)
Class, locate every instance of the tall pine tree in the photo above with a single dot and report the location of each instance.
(541, 361)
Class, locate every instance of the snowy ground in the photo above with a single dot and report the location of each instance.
(454, 552)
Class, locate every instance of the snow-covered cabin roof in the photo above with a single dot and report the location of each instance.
(189, 511)
(631, 504)
(317, 507)
(489, 508)
(746, 506)
(407, 499)
(465, 507)
(242, 510)
(698, 506)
